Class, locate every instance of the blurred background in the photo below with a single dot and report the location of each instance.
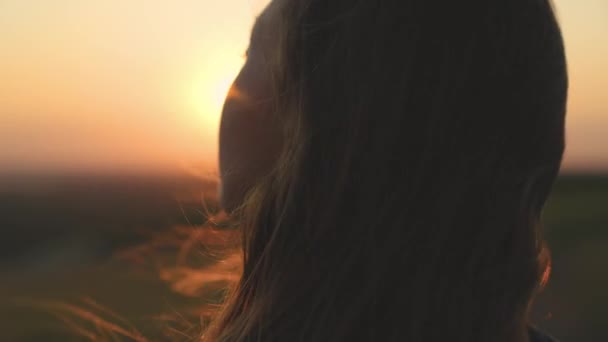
(109, 112)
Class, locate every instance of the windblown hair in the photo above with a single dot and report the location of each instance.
(421, 140)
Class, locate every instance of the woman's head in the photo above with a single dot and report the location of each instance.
(389, 161)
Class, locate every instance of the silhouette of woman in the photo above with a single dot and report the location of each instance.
(388, 162)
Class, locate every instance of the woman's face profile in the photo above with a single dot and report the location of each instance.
(249, 139)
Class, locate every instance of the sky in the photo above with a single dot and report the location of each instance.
(139, 84)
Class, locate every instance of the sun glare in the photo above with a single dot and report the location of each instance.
(210, 89)
(221, 91)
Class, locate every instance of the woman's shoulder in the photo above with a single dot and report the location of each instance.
(537, 335)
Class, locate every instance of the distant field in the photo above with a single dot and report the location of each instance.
(61, 238)
(576, 224)
(577, 212)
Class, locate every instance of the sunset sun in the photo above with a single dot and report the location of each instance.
(213, 82)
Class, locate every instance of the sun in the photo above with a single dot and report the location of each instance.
(220, 92)
(211, 85)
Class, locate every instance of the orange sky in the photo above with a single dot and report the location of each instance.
(137, 84)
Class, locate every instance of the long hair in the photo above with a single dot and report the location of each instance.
(420, 142)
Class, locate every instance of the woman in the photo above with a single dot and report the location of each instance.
(389, 161)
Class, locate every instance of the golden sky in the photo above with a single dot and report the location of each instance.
(135, 84)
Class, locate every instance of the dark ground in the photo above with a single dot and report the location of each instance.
(61, 236)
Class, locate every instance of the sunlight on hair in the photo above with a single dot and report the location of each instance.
(87, 319)
(197, 262)
(194, 282)
(544, 280)
(193, 259)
